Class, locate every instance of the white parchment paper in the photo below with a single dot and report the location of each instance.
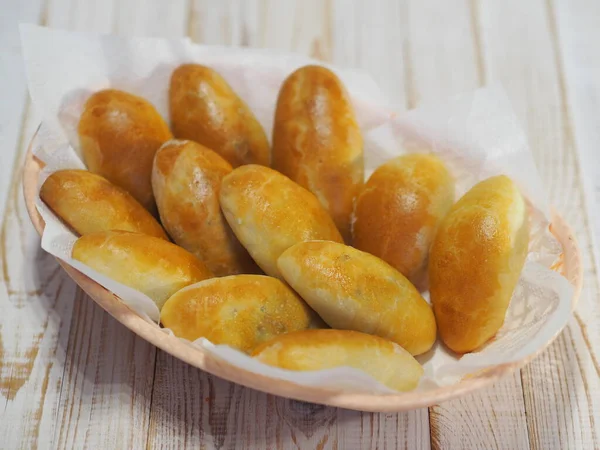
(476, 134)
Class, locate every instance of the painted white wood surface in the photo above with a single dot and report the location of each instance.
(441, 64)
(72, 377)
(562, 387)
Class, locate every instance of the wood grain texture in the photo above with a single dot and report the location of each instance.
(104, 364)
(108, 371)
(442, 64)
(34, 294)
(576, 25)
(493, 419)
(356, 43)
(577, 30)
(13, 89)
(74, 365)
(205, 410)
(34, 297)
(446, 62)
(191, 409)
(72, 377)
(522, 52)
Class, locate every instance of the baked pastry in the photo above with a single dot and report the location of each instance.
(241, 311)
(88, 203)
(147, 264)
(317, 141)
(119, 134)
(475, 262)
(186, 179)
(205, 109)
(399, 209)
(306, 350)
(353, 290)
(269, 213)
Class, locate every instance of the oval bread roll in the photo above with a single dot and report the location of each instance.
(119, 134)
(354, 290)
(186, 179)
(269, 213)
(150, 265)
(399, 209)
(89, 203)
(239, 310)
(205, 109)
(385, 361)
(317, 141)
(475, 262)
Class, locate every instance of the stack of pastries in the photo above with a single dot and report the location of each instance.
(285, 252)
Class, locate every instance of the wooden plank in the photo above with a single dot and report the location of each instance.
(105, 372)
(13, 89)
(37, 309)
(444, 49)
(220, 23)
(36, 300)
(491, 419)
(191, 408)
(107, 383)
(33, 295)
(151, 18)
(521, 51)
(80, 16)
(103, 362)
(373, 36)
(576, 24)
(38, 304)
(577, 34)
(444, 58)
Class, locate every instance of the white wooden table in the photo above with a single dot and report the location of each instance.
(72, 377)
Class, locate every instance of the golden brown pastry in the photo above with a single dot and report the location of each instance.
(186, 179)
(119, 134)
(269, 213)
(147, 264)
(317, 142)
(385, 361)
(239, 310)
(205, 109)
(89, 203)
(475, 262)
(399, 209)
(353, 290)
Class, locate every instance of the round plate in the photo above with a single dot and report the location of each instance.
(570, 266)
